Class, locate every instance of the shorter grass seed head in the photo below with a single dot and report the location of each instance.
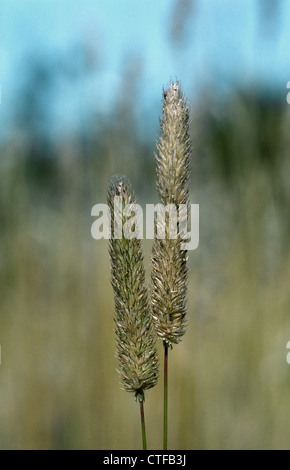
(138, 363)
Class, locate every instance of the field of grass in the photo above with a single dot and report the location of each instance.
(229, 381)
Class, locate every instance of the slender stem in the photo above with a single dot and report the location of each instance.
(165, 415)
(143, 424)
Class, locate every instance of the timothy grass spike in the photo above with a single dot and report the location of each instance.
(169, 261)
(137, 355)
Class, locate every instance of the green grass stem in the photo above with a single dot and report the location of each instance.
(165, 413)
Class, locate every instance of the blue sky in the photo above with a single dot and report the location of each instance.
(222, 46)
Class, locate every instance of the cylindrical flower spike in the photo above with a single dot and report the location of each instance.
(169, 260)
(137, 355)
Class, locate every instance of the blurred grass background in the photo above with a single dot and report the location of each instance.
(229, 379)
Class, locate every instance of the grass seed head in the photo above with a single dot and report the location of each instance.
(138, 364)
(169, 261)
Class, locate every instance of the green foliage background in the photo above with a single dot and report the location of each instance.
(229, 380)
